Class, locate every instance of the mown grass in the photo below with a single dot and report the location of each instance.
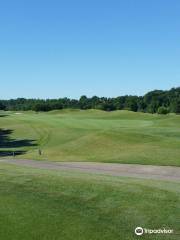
(92, 135)
(51, 205)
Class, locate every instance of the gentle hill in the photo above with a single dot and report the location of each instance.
(92, 135)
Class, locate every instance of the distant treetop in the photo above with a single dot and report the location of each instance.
(156, 101)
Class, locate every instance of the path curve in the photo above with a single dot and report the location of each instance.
(113, 169)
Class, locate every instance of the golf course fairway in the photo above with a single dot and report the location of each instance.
(65, 205)
(92, 135)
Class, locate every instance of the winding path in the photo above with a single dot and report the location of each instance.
(113, 169)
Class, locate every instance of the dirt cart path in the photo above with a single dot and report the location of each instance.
(128, 170)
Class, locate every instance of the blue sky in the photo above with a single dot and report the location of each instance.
(55, 48)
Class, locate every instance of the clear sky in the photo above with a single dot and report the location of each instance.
(58, 48)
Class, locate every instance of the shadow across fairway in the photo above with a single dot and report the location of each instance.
(11, 153)
(3, 115)
(7, 142)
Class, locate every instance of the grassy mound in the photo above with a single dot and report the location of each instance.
(92, 135)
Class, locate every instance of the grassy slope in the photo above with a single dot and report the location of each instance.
(41, 204)
(92, 135)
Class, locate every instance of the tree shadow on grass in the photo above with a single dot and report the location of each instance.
(7, 142)
(11, 153)
(3, 115)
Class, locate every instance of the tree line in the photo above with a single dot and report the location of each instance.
(156, 101)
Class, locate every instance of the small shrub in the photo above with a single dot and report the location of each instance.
(163, 110)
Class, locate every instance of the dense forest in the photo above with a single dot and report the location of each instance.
(156, 101)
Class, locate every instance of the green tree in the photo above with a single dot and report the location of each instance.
(42, 107)
(177, 107)
(84, 102)
(163, 110)
(131, 103)
(2, 106)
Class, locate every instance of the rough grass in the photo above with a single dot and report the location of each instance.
(92, 135)
(50, 205)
